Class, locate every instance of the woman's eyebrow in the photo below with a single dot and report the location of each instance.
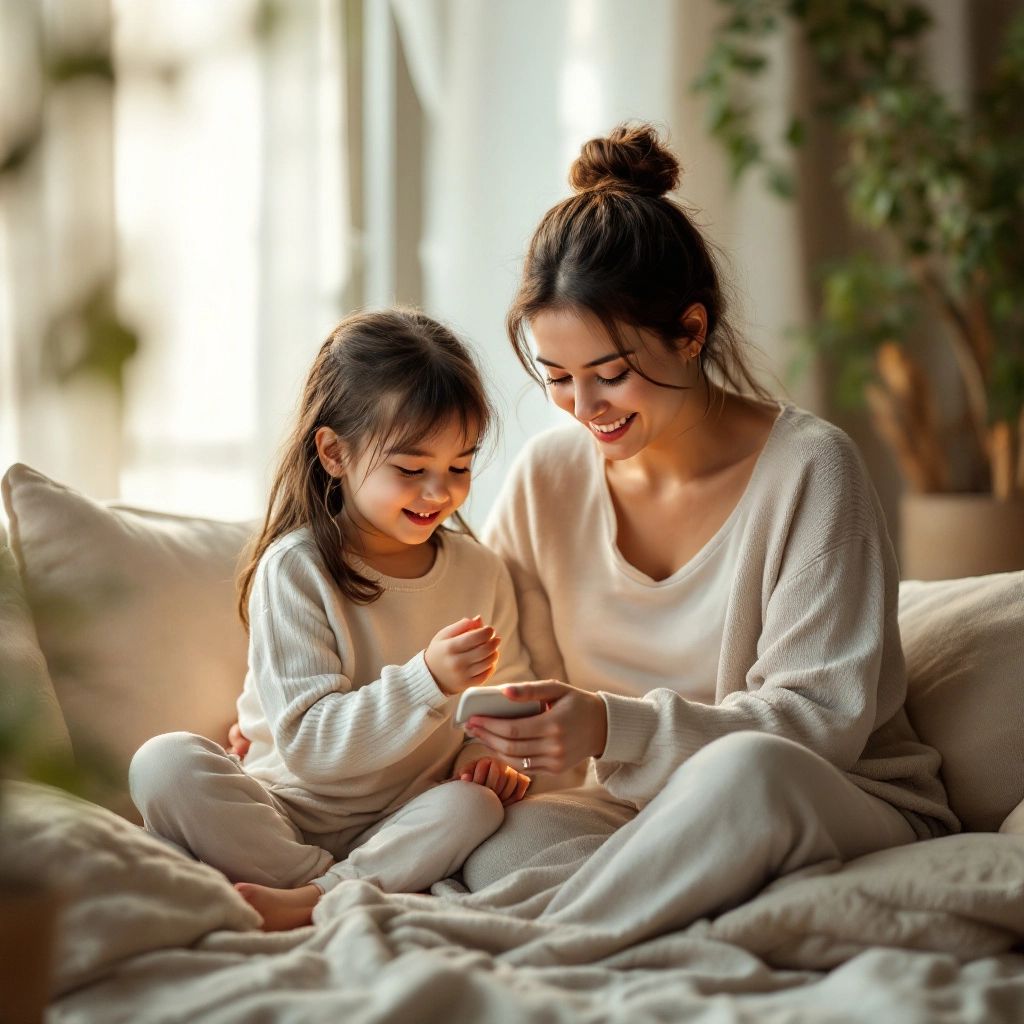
(593, 362)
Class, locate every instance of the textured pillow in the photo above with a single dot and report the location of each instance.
(961, 895)
(135, 613)
(964, 645)
(122, 891)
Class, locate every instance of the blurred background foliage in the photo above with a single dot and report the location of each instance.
(940, 192)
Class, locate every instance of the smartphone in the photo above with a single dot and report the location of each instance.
(489, 700)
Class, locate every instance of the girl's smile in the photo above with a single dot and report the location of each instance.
(422, 518)
(395, 500)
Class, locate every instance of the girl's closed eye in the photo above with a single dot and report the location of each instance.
(458, 470)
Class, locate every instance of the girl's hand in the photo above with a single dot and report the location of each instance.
(462, 655)
(574, 727)
(237, 743)
(509, 785)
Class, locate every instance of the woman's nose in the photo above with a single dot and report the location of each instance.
(586, 405)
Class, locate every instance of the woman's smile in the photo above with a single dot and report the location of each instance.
(608, 432)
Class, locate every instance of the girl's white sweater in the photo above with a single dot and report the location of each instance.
(345, 719)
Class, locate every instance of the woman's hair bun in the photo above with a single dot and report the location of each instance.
(631, 156)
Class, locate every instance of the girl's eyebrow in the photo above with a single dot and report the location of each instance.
(419, 453)
(593, 362)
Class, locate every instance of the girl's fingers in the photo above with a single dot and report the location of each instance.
(506, 785)
(522, 785)
(481, 653)
(482, 664)
(472, 638)
(457, 628)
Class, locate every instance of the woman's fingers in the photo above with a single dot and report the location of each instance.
(546, 690)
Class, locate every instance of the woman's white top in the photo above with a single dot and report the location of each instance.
(785, 622)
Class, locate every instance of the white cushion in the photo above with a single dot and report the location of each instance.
(122, 890)
(964, 645)
(135, 613)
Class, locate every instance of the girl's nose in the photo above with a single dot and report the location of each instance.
(435, 490)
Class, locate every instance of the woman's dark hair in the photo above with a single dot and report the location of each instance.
(382, 380)
(621, 250)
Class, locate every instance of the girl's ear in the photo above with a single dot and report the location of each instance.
(694, 323)
(331, 450)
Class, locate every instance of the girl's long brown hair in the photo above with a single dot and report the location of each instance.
(381, 380)
(620, 249)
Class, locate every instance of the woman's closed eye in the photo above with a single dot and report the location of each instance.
(610, 381)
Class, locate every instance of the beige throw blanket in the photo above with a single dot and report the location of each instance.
(920, 933)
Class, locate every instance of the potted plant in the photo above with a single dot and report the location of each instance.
(30, 901)
(29, 906)
(940, 194)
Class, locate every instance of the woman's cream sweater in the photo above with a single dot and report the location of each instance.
(810, 641)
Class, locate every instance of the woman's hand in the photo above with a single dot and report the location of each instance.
(509, 785)
(574, 727)
(237, 743)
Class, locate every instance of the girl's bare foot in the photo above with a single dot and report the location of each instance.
(281, 909)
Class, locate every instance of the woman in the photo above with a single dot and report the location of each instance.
(704, 573)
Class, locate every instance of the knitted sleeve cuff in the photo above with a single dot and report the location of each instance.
(632, 723)
(419, 685)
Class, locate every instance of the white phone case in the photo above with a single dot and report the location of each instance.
(489, 700)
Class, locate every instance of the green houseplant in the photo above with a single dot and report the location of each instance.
(938, 196)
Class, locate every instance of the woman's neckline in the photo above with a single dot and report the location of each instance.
(713, 543)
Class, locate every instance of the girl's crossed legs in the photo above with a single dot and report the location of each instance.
(191, 792)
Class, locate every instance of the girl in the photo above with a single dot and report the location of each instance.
(367, 616)
(722, 602)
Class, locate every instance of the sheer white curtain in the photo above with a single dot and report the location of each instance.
(213, 173)
(510, 91)
(233, 221)
(57, 239)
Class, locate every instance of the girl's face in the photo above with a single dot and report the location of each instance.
(587, 378)
(397, 499)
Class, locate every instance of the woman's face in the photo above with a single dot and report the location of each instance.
(587, 378)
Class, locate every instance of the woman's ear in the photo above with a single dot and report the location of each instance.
(331, 450)
(694, 324)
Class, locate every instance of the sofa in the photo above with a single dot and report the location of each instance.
(117, 623)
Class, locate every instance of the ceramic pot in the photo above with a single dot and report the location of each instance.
(28, 926)
(946, 536)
